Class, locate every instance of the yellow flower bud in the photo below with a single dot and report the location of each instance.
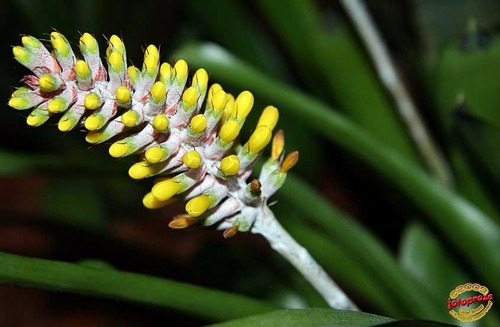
(230, 165)
(192, 159)
(259, 139)
(160, 123)
(198, 205)
(199, 123)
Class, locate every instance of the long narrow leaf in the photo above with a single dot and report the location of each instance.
(468, 68)
(308, 317)
(67, 277)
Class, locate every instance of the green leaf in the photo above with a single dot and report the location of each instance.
(295, 22)
(108, 283)
(415, 323)
(17, 164)
(80, 198)
(468, 181)
(471, 73)
(423, 257)
(361, 95)
(481, 141)
(463, 224)
(244, 37)
(468, 69)
(95, 264)
(308, 317)
(334, 63)
(433, 30)
(474, 154)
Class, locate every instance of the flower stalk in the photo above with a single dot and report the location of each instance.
(279, 239)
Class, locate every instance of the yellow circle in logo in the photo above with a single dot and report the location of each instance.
(482, 301)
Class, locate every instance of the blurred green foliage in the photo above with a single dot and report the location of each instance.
(304, 57)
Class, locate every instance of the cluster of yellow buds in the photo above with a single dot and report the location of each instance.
(189, 143)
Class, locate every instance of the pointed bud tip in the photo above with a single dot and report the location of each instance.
(151, 58)
(182, 221)
(165, 72)
(60, 44)
(278, 144)
(290, 160)
(115, 61)
(88, 43)
(219, 100)
(93, 123)
(21, 54)
(116, 43)
(213, 89)
(31, 42)
(230, 232)
(269, 117)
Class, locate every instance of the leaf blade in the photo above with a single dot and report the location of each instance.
(63, 276)
(308, 317)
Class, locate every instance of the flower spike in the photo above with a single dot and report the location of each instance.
(185, 132)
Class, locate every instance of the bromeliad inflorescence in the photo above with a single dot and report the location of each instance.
(188, 142)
